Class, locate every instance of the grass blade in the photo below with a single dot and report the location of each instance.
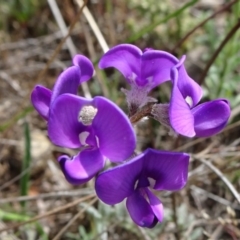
(14, 119)
(24, 182)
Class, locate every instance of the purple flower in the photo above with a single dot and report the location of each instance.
(133, 180)
(188, 118)
(146, 70)
(97, 127)
(67, 82)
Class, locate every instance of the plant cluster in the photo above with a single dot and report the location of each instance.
(101, 131)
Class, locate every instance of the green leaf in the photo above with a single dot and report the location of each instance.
(7, 216)
(24, 183)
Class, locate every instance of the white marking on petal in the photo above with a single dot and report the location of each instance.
(97, 140)
(87, 114)
(83, 137)
(189, 101)
(133, 77)
(150, 79)
(136, 184)
(152, 182)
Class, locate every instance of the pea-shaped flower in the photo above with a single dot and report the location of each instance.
(189, 119)
(146, 70)
(97, 127)
(133, 180)
(67, 82)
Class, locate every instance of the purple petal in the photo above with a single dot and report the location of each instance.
(156, 66)
(116, 136)
(63, 126)
(140, 210)
(40, 98)
(85, 66)
(168, 169)
(82, 167)
(180, 115)
(113, 185)
(156, 205)
(67, 82)
(124, 57)
(187, 86)
(211, 117)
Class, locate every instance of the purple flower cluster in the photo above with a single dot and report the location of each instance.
(146, 70)
(101, 131)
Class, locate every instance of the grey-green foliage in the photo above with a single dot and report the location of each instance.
(223, 78)
(157, 17)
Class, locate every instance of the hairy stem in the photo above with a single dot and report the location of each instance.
(144, 112)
